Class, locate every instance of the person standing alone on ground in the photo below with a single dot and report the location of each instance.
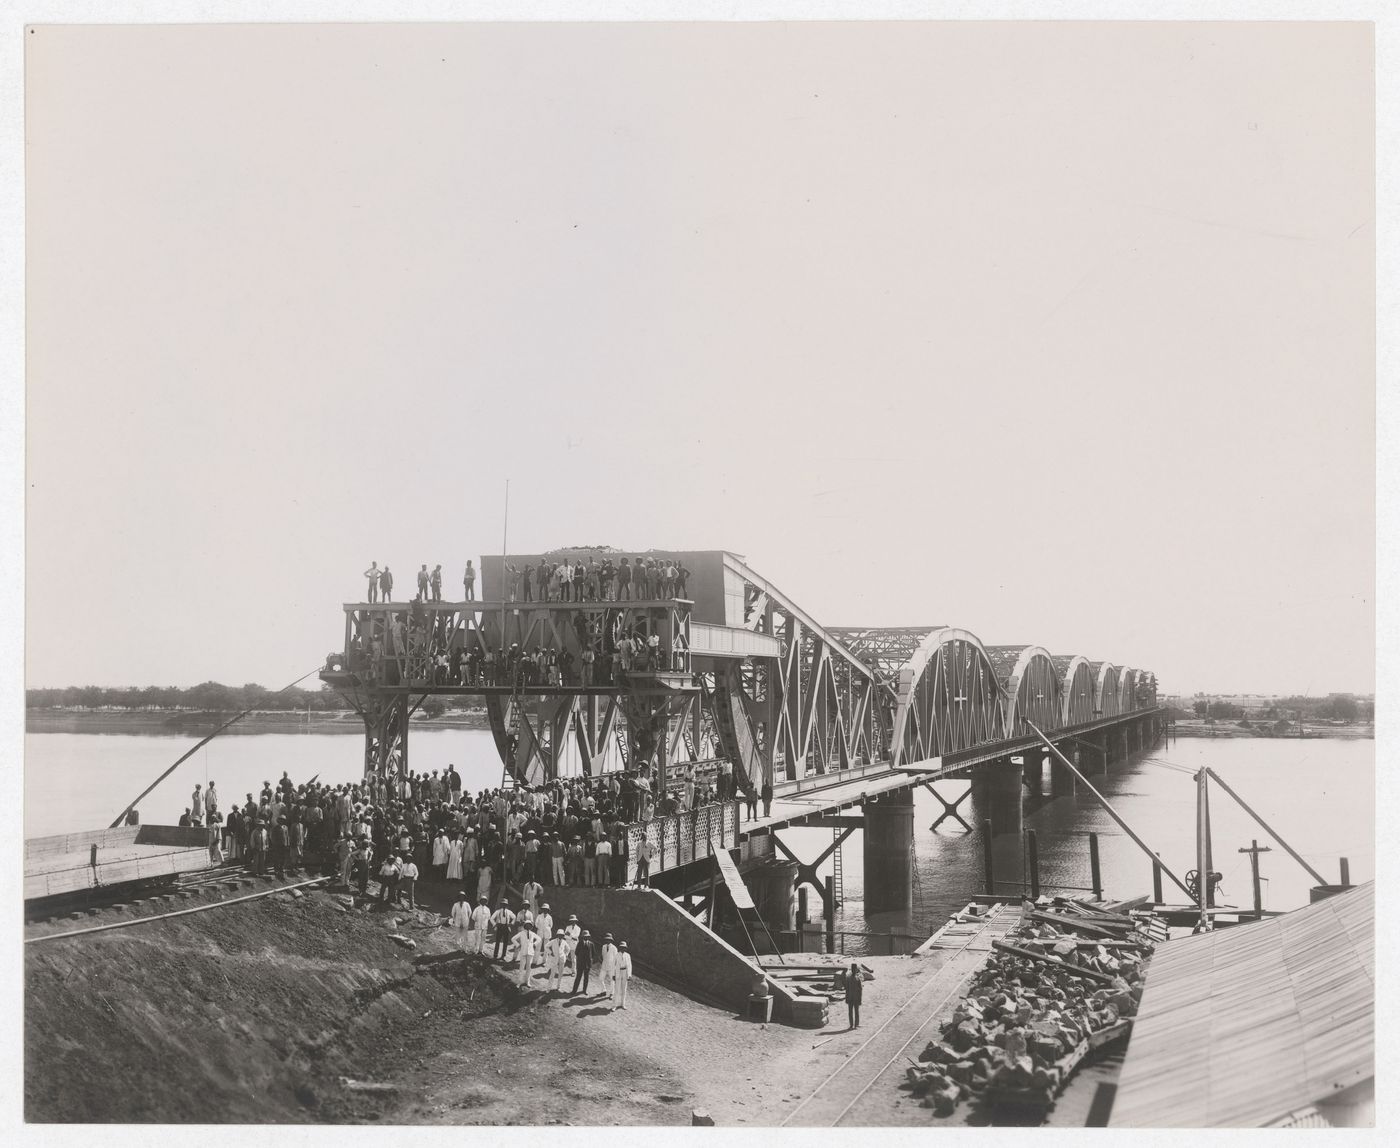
(408, 881)
(609, 962)
(372, 576)
(461, 919)
(855, 987)
(583, 962)
(622, 975)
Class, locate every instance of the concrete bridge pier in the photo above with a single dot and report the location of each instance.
(1061, 779)
(1032, 771)
(774, 891)
(1001, 781)
(889, 851)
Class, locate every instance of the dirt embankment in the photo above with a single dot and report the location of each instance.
(260, 1012)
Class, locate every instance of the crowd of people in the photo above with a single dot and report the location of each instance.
(423, 827)
(574, 580)
(523, 934)
(543, 666)
(570, 579)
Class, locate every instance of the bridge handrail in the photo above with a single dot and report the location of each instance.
(680, 838)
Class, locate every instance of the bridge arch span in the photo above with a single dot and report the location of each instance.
(1105, 689)
(1127, 690)
(1030, 687)
(948, 698)
(1078, 690)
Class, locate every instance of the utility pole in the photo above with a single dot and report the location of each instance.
(1204, 900)
(1254, 850)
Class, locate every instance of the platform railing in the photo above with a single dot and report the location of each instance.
(680, 838)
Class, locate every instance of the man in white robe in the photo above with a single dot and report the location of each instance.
(544, 927)
(608, 964)
(461, 919)
(481, 925)
(523, 950)
(622, 976)
(557, 958)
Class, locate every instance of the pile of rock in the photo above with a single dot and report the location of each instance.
(1032, 1013)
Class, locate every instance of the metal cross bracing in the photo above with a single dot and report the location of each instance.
(763, 687)
(885, 649)
(822, 709)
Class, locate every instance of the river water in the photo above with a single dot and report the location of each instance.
(1318, 793)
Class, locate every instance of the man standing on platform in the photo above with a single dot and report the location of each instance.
(436, 582)
(644, 852)
(603, 860)
(386, 584)
(372, 576)
(767, 798)
(468, 582)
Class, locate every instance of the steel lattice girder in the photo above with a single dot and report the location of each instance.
(833, 698)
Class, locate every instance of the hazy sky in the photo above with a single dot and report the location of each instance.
(1060, 333)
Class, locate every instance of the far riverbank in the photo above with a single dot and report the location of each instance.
(1201, 728)
(192, 723)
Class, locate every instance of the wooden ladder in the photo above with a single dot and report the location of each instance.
(838, 891)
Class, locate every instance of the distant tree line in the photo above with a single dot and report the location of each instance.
(207, 696)
(1334, 707)
(210, 697)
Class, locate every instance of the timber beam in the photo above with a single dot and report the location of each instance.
(831, 821)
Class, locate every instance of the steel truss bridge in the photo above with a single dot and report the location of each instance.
(738, 673)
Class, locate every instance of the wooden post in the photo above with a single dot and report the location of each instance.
(1202, 852)
(1033, 863)
(1254, 850)
(988, 869)
(829, 909)
(802, 905)
(1095, 877)
(1346, 873)
(1157, 883)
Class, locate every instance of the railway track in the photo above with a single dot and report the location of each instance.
(882, 1056)
(163, 890)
